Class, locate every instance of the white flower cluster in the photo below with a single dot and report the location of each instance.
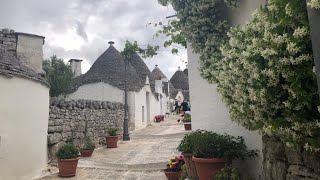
(266, 74)
(314, 4)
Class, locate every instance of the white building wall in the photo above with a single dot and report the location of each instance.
(24, 113)
(140, 100)
(208, 110)
(98, 91)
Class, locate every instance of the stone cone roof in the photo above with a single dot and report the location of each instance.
(109, 68)
(142, 70)
(157, 73)
(179, 80)
(11, 65)
(186, 72)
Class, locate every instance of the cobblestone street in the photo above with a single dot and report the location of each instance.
(141, 158)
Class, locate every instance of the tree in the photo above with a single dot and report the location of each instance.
(58, 74)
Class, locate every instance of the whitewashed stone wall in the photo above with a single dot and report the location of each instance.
(68, 119)
(98, 91)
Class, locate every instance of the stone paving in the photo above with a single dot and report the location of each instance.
(141, 158)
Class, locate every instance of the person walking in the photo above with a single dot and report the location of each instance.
(177, 106)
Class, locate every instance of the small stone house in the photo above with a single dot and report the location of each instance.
(180, 85)
(105, 81)
(24, 107)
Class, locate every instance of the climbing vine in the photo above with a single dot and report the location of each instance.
(266, 76)
(264, 70)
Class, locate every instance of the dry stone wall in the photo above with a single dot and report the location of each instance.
(8, 40)
(284, 163)
(69, 118)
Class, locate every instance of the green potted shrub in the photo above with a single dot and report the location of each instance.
(112, 137)
(87, 148)
(187, 121)
(212, 151)
(186, 148)
(68, 157)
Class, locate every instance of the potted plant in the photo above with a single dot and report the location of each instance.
(187, 121)
(112, 138)
(186, 148)
(87, 148)
(162, 117)
(212, 151)
(173, 170)
(157, 118)
(68, 156)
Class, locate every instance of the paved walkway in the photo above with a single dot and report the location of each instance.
(141, 158)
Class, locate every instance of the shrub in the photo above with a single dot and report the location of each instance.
(207, 144)
(67, 151)
(88, 144)
(186, 145)
(186, 118)
(112, 131)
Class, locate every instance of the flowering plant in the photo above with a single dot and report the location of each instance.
(175, 164)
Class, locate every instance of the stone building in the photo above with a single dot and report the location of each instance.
(180, 84)
(24, 107)
(105, 81)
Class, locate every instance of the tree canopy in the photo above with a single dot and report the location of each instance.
(58, 74)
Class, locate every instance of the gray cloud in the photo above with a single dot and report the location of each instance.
(82, 28)
(81, 31)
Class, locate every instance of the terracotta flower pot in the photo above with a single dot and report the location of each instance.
(173, 175)
(86, 153)
(67, 167)
(190, 166)
(187, 126)
(112, 141)
(208, 168)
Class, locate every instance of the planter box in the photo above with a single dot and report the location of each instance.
(86, 153)
(67, 167)
(208, 168)
(187, 126)
(112, 141)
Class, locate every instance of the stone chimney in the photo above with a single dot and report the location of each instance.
(29, 49)
(147, 80)
(75, 67)
(111, 43)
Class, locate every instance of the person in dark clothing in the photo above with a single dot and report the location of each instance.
(185, 106)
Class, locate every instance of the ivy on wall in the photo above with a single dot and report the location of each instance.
(264, 70)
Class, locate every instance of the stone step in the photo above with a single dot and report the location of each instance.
(115, 166)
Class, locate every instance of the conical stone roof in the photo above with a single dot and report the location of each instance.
(186, 72)
(157, 73)
(142, 70)
(179, 80)
(109, 68)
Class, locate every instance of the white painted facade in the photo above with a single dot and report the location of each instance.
(98, 91)
(208, 110)
(143, 105)
(24, 113)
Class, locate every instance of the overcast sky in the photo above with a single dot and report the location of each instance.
(81, 29)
